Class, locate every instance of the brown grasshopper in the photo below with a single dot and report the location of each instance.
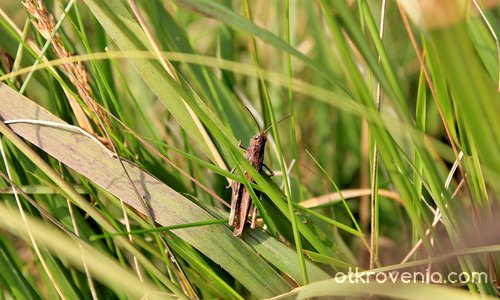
(241, 201)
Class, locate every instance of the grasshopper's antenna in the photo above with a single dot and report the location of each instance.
(253, 117)
(283, 119)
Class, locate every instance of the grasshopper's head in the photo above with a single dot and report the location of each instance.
(260, 138)
(255, 151)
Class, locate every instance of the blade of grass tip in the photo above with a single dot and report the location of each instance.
(320, 258)
(331, 221)
(295, 147)
(291, 210)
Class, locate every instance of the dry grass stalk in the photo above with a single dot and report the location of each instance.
(44, 22)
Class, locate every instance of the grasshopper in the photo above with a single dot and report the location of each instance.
(241, 201)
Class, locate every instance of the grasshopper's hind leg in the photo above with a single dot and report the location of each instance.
(235, 202)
